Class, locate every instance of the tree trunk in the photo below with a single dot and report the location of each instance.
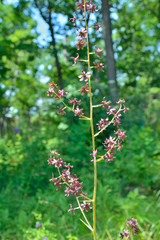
(48, 20)
(51, 29)
(110, 60)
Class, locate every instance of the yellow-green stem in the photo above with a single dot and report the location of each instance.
(92, 132)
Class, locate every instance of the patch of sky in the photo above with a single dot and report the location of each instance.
(28, 71)
(12, 111)
(114, 31)
(33, 110)
(122, 78)
(119, 48)
(152, 58)
(96, 92)
(39, 102)
(14, 2)
(41, 67)
(130, 5)
(158, 46)
(114, 16)
(2, 85)
(42, 27)
(150, 48)
(44, 79)
(116, 55)
(9, 93)
(49, 67)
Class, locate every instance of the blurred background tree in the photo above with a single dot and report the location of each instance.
(36, 43)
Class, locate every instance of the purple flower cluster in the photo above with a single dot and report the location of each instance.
(72, 185)
(132, 224)
(112, 143)
(89, 6)
(58, 93)
(61, 93)
(103, 123)
(77, 111)
(81, 43)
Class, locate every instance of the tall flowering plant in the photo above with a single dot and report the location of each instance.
(66, 177)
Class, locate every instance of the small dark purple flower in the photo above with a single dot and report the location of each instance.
(133, 224)
(16, 130)
(50, 161)
(84, 76)
(121, 135)
(58, 184)
(120, 101)
(99, 66)
(125, 108)
(109, 157)
(67, 191)
(84, 89)
(61, 93)
(97, 26)
(106, 104)
(119, 146)
(80, 44)
(44, 238)
(75, 59)
(78, 112)
(50, 92)
(94, 155)
(75, 101)
(66, 174)
(112, 111)
(53, 179)
(74, 19)
(38, 224)
(55, 152)
(82, 33)
(58, 163)
(102, 123)
(125, 234)
(81, 5)
(69, 165)
(99, 52)
(86, 205)
(91, 7)
(71, 209)
(52, 85)
(61, 110)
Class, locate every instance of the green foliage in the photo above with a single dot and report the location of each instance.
(127, 187)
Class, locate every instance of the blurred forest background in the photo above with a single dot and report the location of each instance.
(36, 43)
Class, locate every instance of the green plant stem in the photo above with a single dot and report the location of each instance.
(88, 224)
(92, 133)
